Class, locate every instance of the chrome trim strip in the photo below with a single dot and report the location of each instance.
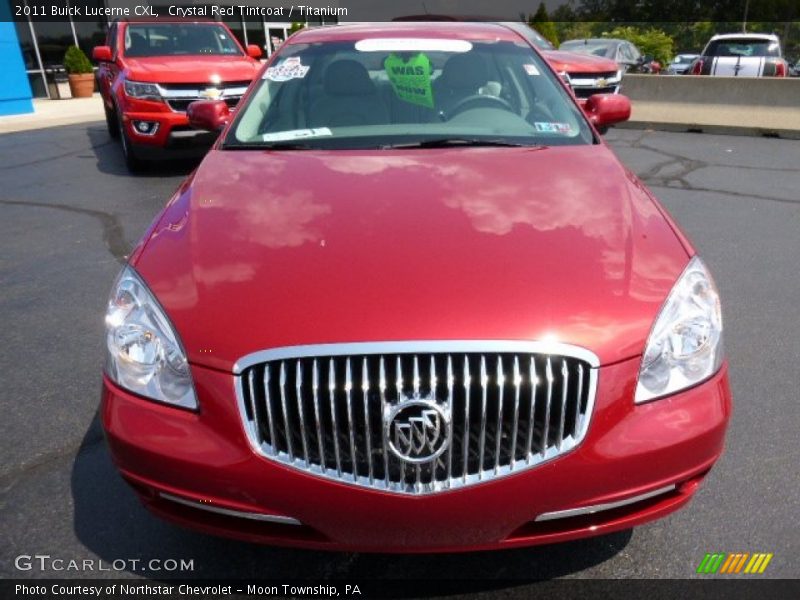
(230, 512)
(367, 427)
(194, 93)
(284, 408)
(588, 510)
(413, 347)
(548, 373)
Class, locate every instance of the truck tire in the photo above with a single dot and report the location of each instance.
(133, 162)
(111, 123)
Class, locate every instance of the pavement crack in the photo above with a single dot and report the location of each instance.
(692, 188)
(655, 177)
(113, 233)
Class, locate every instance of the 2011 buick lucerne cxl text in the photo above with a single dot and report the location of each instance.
(410, 301)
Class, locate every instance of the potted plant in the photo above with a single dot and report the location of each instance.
(81, 73)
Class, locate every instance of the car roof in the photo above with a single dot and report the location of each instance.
(608, 41)
(438, 29)
(165, 21)
(754, 36)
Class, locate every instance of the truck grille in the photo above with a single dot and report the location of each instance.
(583, 92)
(470, 415)
(589, 84)
(179, 95)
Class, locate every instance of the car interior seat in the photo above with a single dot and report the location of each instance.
(463, 75)
(349, 98)
(139, 45)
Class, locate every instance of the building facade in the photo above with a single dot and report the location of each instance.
(43, 43)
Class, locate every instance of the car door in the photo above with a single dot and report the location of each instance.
(625, 58)
(107, 71)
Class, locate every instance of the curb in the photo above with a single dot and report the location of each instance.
(740, 130)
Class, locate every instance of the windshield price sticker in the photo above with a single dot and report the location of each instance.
(531, 69)
(291, 68)
(296, 134)
(547, 127)
(411, 79)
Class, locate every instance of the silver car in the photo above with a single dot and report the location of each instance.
(681, 64)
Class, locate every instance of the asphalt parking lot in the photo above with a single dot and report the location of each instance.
(69, 213)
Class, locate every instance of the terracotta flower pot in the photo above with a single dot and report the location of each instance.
(81, 85)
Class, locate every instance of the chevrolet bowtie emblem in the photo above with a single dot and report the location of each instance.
(211, 93)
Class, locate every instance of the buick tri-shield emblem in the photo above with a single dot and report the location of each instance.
(417, 430)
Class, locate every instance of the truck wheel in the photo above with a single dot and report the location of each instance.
(111, 123)
(133, 162)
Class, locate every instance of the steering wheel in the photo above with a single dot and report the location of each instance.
(465, 103)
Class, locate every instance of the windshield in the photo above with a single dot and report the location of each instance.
(530, 34)
(743, 47)
(390, 92)
(175, 39)
(588, 47)
(684, 59)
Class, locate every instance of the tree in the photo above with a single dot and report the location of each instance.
(541, 22)
(652, 41)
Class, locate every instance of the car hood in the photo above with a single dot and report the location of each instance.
(572, 62)
(264, 249)
(191, 69)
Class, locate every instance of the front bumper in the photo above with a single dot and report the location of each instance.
(198, 470)
(171, 137)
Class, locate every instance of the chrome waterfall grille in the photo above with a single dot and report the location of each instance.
(417, 417)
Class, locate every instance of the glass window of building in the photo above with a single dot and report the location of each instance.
(90, 33)
(255, 34)
(54, 38)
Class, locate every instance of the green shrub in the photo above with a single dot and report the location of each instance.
(76, 62)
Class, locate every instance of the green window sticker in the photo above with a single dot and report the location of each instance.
(411, 79)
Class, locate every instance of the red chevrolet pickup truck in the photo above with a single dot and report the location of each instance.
(150, 71)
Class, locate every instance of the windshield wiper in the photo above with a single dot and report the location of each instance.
(269, 146)
(458, 141)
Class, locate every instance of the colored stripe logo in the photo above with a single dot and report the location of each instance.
(734, 563)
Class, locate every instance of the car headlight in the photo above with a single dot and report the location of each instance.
(145, 355)
(142, 91)
(685, 344)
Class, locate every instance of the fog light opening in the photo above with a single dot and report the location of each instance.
(145, 127)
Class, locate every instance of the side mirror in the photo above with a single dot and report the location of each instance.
(211, 115)
(604, 110)
(102, 53)
(254, 51)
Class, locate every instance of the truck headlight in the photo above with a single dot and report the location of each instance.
(685, 344)
(145, 355)
(142, 91)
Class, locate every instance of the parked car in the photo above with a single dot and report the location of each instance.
(794, 70)
(742, 55)
(681, 64)
(586, 74)
(151, 70)
(411, 301)
(623, 52)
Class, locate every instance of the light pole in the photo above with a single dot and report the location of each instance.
(744, 20)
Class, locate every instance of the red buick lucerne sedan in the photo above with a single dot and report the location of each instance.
(410, 301)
